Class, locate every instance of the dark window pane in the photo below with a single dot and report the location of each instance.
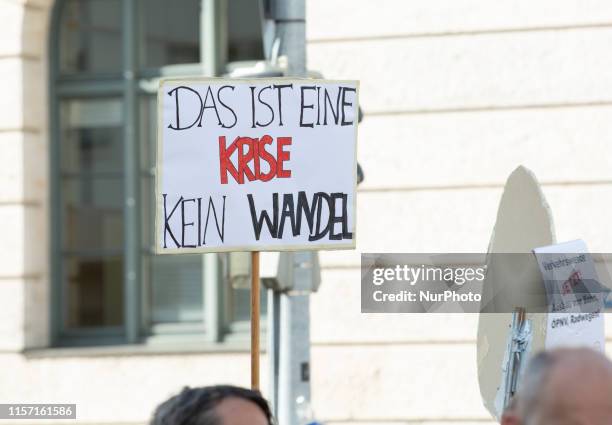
(240, 304)
(148, 133)
(94, 291)
(92, 136)
(171, 31)
(174, 282)
(245, 35)
(147, 228)
(176, 288)
(90, 36)
(93, 214)
(238, 299)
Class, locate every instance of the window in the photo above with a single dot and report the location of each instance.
(108, 286)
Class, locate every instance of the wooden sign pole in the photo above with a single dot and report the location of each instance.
(255, 310)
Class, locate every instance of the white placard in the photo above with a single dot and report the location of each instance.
(569, 276)
(256, 165)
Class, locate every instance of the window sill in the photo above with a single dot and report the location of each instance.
(145, 349)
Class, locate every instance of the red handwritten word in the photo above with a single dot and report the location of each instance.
(249, 163)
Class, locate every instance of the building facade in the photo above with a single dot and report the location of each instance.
(456, 94)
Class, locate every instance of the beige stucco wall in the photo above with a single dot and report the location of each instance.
(23, 176)
(456, 94)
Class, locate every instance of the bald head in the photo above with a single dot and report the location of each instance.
(570, 386)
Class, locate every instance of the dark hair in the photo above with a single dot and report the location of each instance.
(196, 406)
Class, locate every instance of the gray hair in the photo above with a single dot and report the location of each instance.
(533, 383)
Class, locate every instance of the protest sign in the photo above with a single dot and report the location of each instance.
(575, 296)
(256, 165)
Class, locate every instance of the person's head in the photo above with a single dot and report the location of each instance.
(218, 405)
(571, 386)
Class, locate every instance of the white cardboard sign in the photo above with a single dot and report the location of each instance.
(568, 270)
(256, 165)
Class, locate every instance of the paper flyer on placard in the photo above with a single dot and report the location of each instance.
(575, 298)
